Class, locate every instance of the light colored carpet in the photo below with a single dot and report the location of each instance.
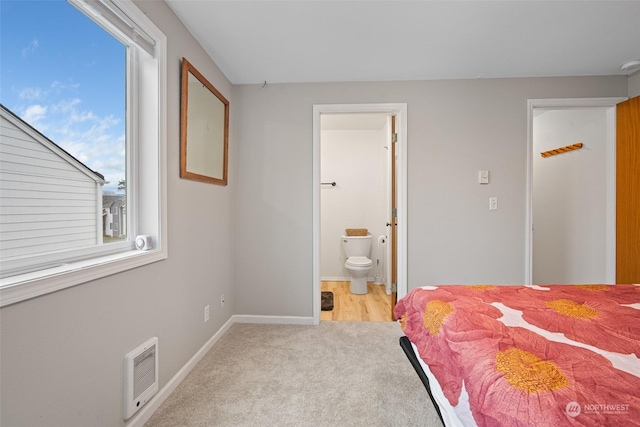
(334, 374)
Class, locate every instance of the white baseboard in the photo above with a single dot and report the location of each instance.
(148, 410)
(335, 279)
(343, 279)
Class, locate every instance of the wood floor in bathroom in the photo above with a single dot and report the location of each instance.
(374, 306)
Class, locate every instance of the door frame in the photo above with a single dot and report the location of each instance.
(400, 111)
(610, 227)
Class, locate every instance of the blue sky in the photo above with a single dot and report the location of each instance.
(65, 76)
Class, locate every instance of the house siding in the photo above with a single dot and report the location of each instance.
(46, 203)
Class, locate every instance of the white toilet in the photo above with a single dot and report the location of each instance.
(358, 264)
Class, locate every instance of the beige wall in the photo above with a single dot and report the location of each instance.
(634, 84)
(62, 354)
(455, 128)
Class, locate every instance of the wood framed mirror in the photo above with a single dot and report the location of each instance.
(204, 129)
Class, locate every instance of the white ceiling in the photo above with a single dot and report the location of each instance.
(359, 40)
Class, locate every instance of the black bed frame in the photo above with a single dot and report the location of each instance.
(411, 355)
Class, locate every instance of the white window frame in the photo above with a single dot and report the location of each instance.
(146, 161)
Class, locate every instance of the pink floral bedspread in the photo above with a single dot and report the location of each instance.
(532, 356)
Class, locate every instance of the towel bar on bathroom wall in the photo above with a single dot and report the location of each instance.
(333, 184)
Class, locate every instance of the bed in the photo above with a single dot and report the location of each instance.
(550, 355)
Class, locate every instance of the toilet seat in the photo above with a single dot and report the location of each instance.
(359, 261)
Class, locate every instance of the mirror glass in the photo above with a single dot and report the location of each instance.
(204, 129)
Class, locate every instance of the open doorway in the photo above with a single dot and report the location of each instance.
(367, 129)
(571, 221)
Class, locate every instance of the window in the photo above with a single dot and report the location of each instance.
(111, 200)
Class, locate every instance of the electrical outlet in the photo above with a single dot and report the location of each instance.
(222, 300)
(493, 203)
(206, 313)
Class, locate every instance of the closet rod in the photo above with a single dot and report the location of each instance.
(571, 147)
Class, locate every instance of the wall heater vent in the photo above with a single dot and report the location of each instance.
(140, 376)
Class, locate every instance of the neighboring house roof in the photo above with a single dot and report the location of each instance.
(37, 135)
(111, 199)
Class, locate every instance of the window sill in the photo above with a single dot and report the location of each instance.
(30, 285)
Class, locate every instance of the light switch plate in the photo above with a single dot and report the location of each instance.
(483, 177)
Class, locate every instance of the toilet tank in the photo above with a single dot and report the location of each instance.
(357, 245)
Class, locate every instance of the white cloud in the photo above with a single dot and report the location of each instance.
(96, 141)
(33, 114)
(59, 89)
(65, 106)
(30, 93)
(31, 47)
(84, 116)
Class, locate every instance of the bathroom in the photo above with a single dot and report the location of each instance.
(355, 156)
